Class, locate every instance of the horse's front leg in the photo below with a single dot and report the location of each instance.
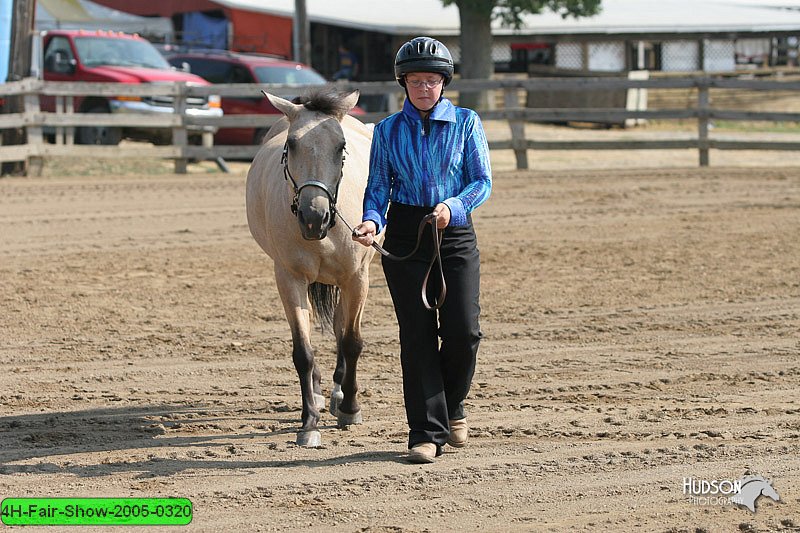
(349, 345)
(294, 295)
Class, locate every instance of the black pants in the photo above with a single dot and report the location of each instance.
(436, 376)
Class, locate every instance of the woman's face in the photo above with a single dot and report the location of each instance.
(424, 89)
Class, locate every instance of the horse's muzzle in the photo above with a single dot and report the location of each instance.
(314, 223)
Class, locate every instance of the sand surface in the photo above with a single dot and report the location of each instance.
(641, 327)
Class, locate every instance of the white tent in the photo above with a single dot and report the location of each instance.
(84, 14)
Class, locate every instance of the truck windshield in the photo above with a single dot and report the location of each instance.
(288, 75)
(95, 51)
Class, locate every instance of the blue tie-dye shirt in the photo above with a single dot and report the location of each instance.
(449, 164)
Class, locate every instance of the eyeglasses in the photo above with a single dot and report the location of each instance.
(430, 84)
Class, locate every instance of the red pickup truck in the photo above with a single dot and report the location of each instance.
(115, 57)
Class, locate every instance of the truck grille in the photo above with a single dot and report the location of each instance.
(167, 101)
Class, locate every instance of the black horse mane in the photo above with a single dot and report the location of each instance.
(325, 100)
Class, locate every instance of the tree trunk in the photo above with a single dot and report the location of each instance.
(476, 51)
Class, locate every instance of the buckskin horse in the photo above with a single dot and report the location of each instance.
(312, 164)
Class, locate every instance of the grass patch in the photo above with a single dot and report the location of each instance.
(726, 125)
(84, 166)
(757, 126)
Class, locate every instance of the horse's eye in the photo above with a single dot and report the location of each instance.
(291, 142)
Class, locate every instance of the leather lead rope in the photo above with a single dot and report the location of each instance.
(436, 234)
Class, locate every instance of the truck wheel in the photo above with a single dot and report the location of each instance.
(106, 135)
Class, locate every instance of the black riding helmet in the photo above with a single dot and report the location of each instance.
(423, 54)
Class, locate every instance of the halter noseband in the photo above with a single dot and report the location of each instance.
(332, 197)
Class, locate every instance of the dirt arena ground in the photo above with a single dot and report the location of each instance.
(641, 327)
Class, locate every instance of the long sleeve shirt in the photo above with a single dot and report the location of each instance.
(443, 160)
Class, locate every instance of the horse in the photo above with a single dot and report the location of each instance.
(753, 487)
(311, 166)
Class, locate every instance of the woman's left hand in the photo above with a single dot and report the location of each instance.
(443, 214)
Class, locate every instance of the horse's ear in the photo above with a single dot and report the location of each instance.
(351, 99)
(284, 106)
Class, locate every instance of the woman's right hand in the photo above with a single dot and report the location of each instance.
(364, 233)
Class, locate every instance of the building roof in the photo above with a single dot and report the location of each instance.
(775, 4)
(419, 17)
(671, 16)
(386, 16)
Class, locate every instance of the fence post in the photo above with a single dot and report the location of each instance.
(392, 105)
(703, 108)
(518, 141)
(179, 136)
(33, 129)
(60, 103)
(69, 109)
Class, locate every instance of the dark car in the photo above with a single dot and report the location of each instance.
(231, 67)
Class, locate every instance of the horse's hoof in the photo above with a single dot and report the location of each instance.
(319, 402)
(347, 419)
(336, 398)
(309, 439)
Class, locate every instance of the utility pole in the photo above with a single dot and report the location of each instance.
(300, 33)
(19, 67)
(21, 38)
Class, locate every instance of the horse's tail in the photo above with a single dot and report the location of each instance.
(323, 301)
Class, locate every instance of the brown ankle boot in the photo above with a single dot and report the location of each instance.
(424, 452)
(458, 433)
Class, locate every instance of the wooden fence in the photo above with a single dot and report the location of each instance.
(65, 120)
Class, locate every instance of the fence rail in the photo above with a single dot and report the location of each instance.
(65, 119)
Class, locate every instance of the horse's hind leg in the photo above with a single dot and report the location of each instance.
(349, 345)
(319, 398)
(348, 410)
(295, 304)
(338, 375)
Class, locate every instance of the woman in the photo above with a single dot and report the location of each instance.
(430, 157)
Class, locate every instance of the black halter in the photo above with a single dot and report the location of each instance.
(332, 197)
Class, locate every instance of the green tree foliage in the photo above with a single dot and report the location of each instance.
(511, 11)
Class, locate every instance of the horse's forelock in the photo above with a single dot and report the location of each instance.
(326, 100)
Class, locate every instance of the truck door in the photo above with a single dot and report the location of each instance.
(59, 65)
